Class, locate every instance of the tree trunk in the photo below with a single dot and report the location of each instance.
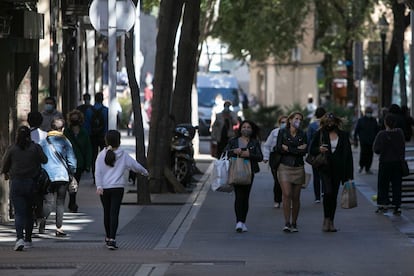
(143, 193)
(160, 130)
(186, 62)
(396, 55)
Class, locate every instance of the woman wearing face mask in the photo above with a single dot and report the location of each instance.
(81, 145)
(291, 144)
(335, 143)
(268, 148)
(247, 146)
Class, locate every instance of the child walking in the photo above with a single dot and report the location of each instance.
(110, 166)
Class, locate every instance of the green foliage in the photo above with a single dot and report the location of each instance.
(261, 28)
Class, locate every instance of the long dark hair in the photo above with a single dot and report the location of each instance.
(23, 139)
(113, 140)
(255, 129)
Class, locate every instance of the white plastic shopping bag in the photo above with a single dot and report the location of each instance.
(220, 175)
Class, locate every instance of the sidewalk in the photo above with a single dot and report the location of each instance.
(193, 234)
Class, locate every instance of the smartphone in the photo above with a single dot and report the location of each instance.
(324, 145)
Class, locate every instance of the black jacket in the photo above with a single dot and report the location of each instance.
(340, 163)
(366, 129)
(255, 150)
(294, 156)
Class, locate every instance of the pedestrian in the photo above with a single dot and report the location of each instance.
(292, 145)
(111, 164)
(35, 119)
(98, 118)
(310, 108)
(79, 138)
(409, 122)
(339, 169)
(390, 146)
(247, 145)
(49, 113)
(366, 129)
(223, 128)
(313, 127)
(85, 108)
(61, 162)
(21, 164)
(268, 149)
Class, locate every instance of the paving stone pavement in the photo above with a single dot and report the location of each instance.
(193, 234)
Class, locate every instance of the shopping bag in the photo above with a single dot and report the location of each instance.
(240, 172)
(220, 175)
(307, 180)
(349, 196)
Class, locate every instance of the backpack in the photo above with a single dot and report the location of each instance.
(97, 122)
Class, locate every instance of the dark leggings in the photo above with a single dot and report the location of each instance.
(331, 188)
(241, 202)
(111, 202)
(277, 190)
(317, 184)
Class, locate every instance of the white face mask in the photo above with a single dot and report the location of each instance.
(282, 125)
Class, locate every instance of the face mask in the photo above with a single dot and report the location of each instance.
(296, 124)
(226, 109)
(74, 122)
(282, 125)
(330, 128)
(49, 107)
(246, 132)
(369, 115)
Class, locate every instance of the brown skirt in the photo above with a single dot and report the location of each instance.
(294, 175)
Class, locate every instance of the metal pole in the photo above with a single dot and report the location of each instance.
(412, 62)
(381, 96)
(112, 63)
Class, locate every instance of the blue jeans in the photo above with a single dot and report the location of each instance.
(21, 193)
(56, 196)
(111, 202)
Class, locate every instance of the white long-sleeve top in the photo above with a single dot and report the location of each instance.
(270, 143)
(107, 177)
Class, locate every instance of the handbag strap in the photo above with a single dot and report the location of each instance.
(58, 155)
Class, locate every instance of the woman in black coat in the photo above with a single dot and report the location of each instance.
(335, 143)
(245, 145)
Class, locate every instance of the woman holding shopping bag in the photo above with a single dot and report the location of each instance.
(334, 142)
(245, 146)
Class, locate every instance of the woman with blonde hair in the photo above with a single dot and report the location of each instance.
(292, 145)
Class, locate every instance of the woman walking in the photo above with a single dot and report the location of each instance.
(81, 145)
(291, 144)
(390, 146)
(339, 169)
(110, 166)
(245, 145)
(268, 150)
(21, 164)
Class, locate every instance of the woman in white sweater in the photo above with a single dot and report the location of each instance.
(110, 166)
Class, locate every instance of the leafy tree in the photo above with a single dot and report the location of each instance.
(262, 28)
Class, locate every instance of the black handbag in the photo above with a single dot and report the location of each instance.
(319, 160)
(274, 160)
(405, 169)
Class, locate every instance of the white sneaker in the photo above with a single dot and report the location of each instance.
(19, 245)
(239, 227)
(244, 227)
(276, 205)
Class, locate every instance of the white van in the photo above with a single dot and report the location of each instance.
(209, 85)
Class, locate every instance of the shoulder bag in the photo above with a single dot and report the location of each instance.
(319, 160)
(73, 183)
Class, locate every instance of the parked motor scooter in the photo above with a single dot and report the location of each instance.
(182, 153)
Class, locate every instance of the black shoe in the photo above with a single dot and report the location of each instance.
(381, 209)
(73, 208)
(287, 227)
(111, 245)
(397, 211)
(60, 234)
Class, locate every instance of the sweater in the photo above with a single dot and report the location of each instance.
(107, 177)
(390, 145)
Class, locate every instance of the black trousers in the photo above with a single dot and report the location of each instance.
(389, 172)
(111, 202)
(331, 188)
(277, 190)
(241, 202)
(365, 157)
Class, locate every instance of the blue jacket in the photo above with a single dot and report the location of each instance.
(54, 167)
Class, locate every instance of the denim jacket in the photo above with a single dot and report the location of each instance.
(54, 167)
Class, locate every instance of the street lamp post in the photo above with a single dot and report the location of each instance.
(383, 28)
